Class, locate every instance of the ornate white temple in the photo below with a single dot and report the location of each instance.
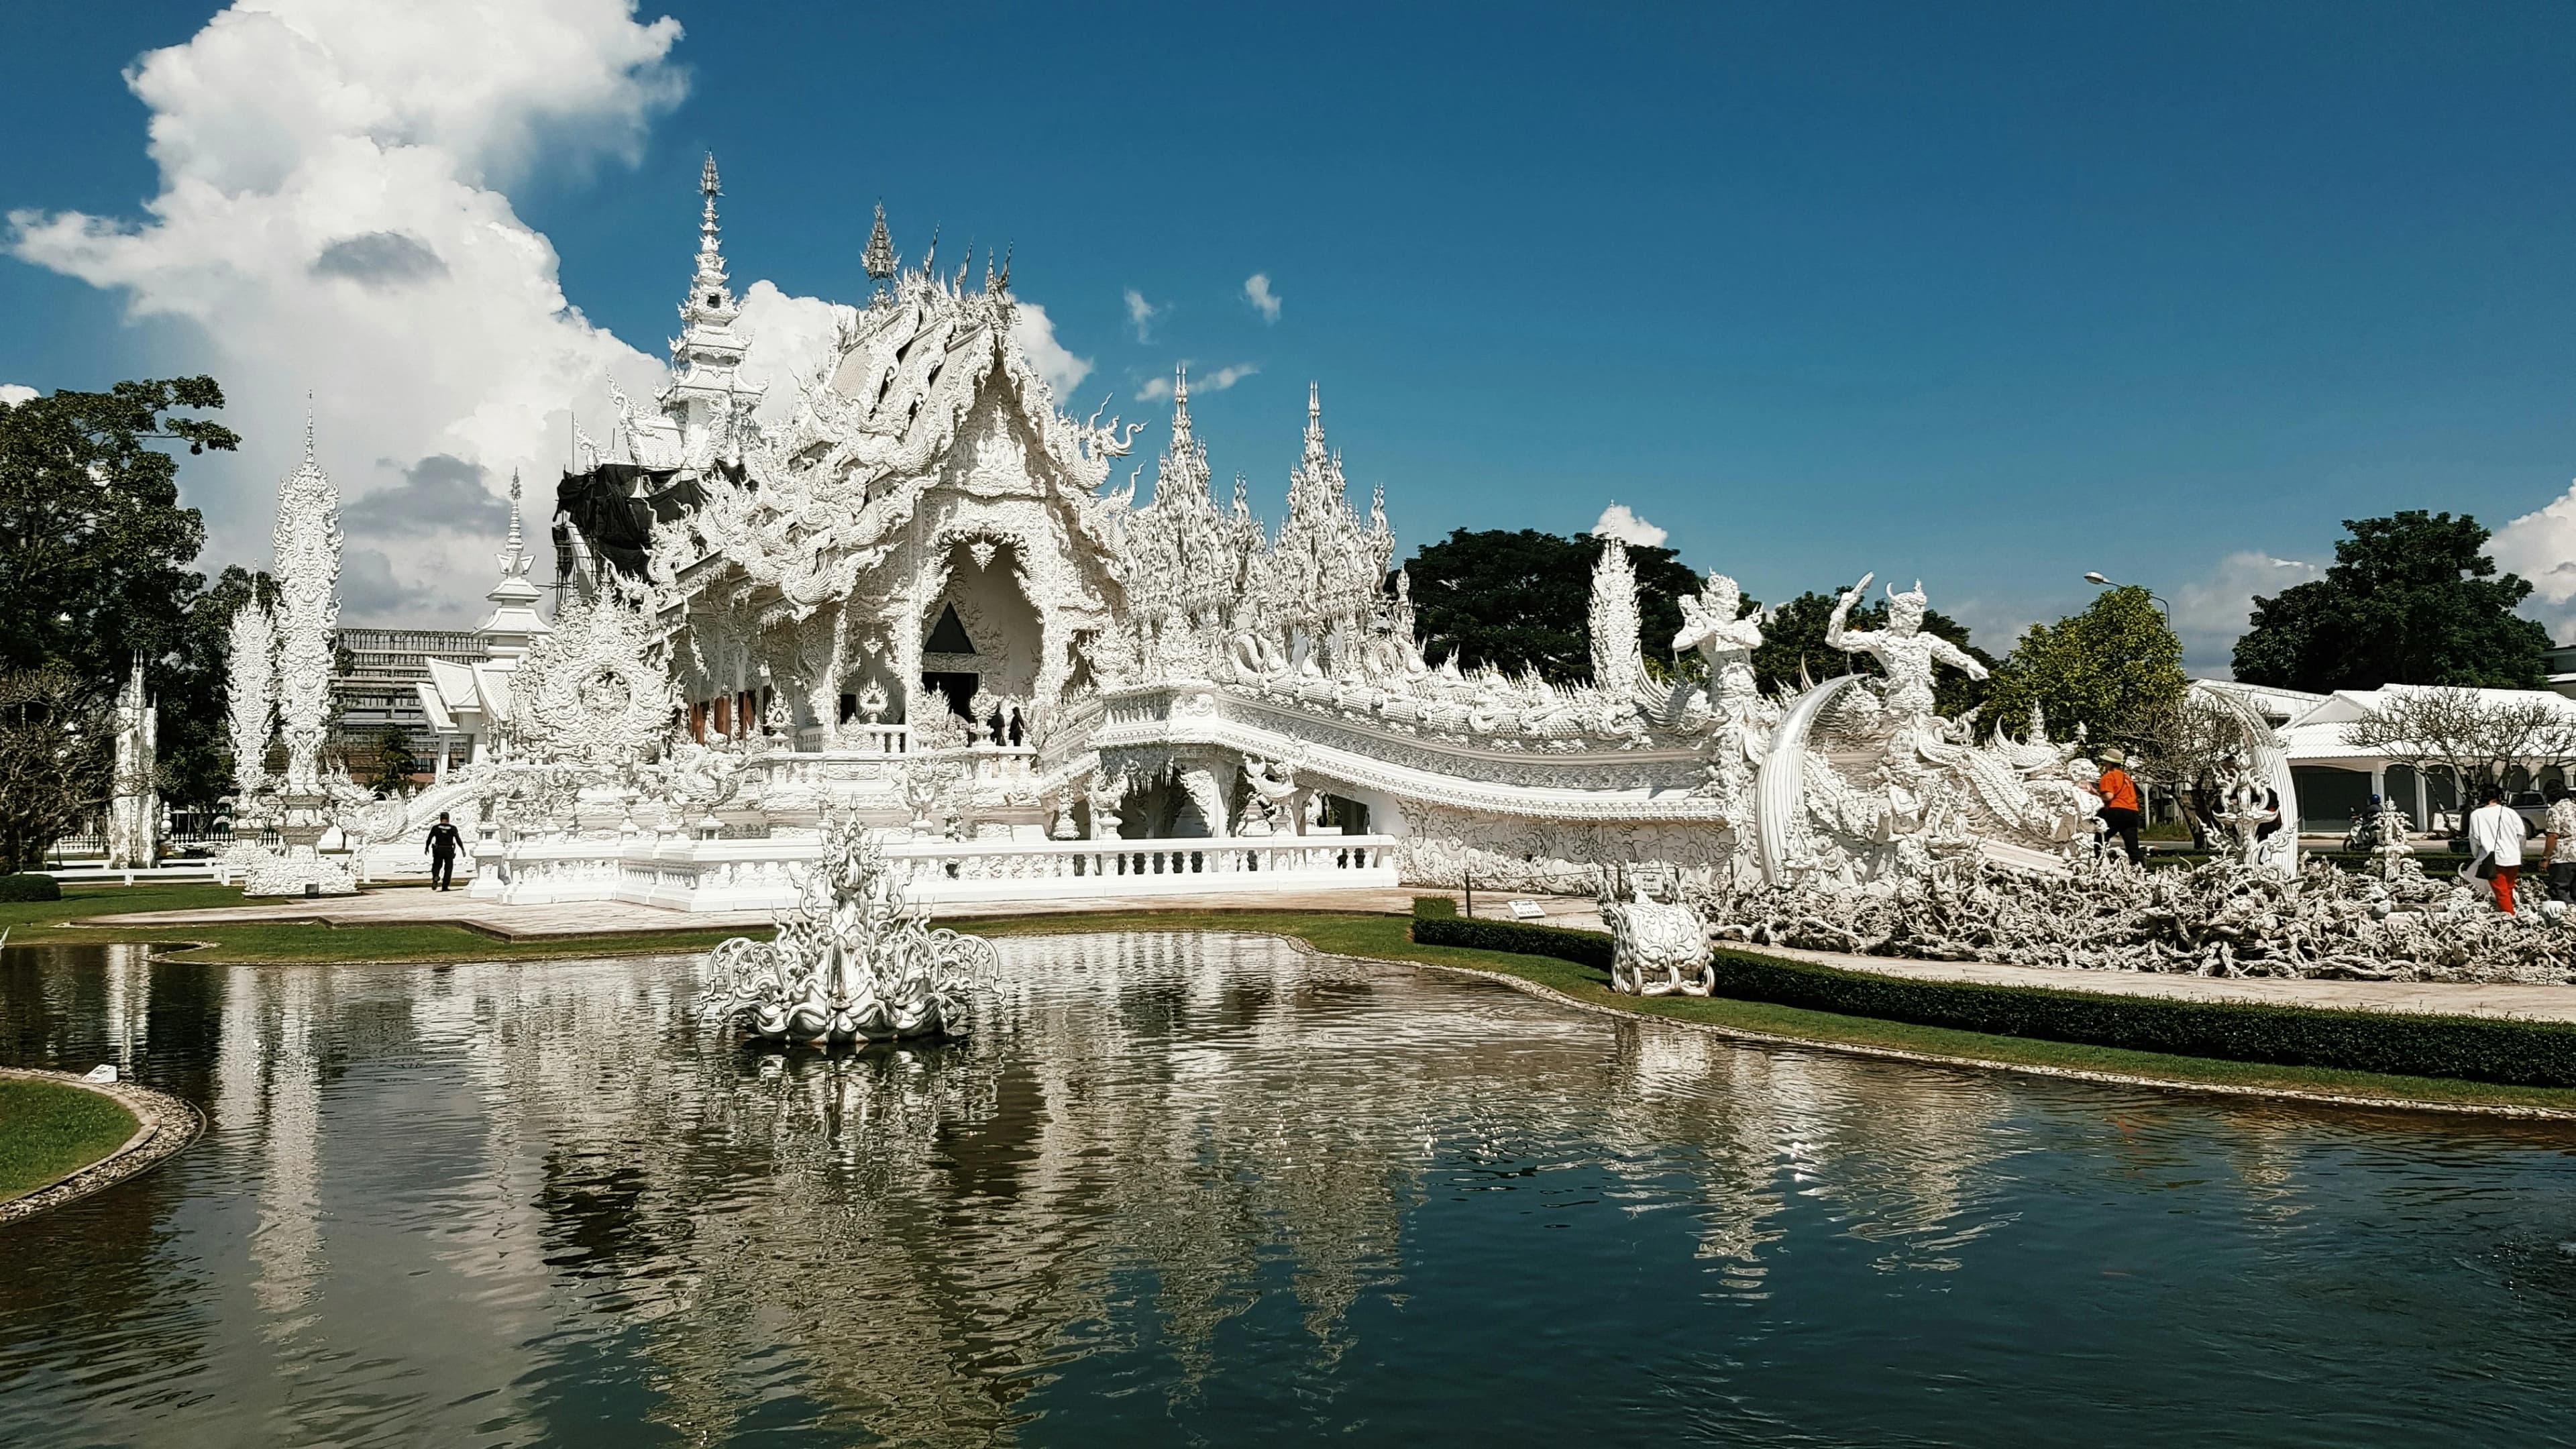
(921, 606)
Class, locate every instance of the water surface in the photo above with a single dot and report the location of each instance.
(1205, 1189)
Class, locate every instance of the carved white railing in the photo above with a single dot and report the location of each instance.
(993, 870)
(725, 875)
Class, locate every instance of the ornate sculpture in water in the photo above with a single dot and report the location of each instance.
(852, 962)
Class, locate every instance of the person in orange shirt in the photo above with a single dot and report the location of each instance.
(2119, 794)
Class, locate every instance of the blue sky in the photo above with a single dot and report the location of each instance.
(1986, 294)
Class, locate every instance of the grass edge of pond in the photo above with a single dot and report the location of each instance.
(1355, 933)
(50, 1130)
(1387, 938)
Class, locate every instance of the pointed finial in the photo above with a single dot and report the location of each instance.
(930, 258)
(707, 184)
(880, 258)
(308, 427)
(1004, 284)
(1180, 387)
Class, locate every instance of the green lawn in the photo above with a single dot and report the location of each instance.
(51, 1129)
(1389, 938)
(260, 943)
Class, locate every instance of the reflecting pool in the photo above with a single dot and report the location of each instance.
(1207, 1189)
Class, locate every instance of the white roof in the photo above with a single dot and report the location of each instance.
(2316, 736)
(462, 696)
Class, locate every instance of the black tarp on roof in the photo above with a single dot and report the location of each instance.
(615, 506)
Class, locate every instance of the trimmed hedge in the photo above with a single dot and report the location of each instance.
(2468, 1048)
(1436, 922)
(30, 888)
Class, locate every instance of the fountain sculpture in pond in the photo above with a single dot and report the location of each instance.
(853, 961)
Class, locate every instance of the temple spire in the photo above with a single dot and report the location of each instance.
(705, 398)
(514, 621)
(880, 258)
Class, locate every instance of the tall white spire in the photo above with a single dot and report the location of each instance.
(514, 622)
(706, 399)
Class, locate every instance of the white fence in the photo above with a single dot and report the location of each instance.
(734, 875)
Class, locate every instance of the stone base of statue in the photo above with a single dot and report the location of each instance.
(297, 868)
(297, 871)
(1658, 948)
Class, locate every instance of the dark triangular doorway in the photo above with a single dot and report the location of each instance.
(948, 636)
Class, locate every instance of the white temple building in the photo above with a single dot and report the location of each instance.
(924, 604)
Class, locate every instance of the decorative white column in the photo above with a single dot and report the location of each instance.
(134, 814)
(308, 615)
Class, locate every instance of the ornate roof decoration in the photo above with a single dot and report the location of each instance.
(1186, 560)
(595, 691)
(705, 403)
(1327, 566)
(924, 386)
(1618, 662)
(514, 619)
(880, 258)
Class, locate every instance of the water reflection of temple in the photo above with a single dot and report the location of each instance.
(1153, 1139)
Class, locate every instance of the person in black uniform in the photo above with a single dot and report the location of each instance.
(443, 841)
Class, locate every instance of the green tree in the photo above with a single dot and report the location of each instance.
(394, 762)
(1522, 598)
(1793, 643)
(2112, 669)
(2411, 599)
(95, 553)
(56, 753)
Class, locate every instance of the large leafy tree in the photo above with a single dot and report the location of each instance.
(95, 553)
(2411, 599)
(1522, 598)
(55, 754)
(1794, 648)
(2114, 669)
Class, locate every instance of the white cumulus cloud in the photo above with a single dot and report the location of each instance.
(1141, 315)
(2212, 612)
(2541, 546)
(1158, 388)
(1256, 290)
(1621, 522)
(329, 220)
(14, 393)
(1062, 370)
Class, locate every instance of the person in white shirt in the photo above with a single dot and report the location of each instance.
(2558, 846)
(2496, 834)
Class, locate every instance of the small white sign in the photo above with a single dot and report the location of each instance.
(1527, 911)
(103, 1072)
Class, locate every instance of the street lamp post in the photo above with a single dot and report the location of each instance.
(2099, 581)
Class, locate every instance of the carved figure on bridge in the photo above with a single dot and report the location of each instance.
(1910, 656)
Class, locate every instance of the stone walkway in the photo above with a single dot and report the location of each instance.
(2440, 998)
(415, 906)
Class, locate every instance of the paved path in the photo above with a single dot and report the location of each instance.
(2443, 998)
(416, 906)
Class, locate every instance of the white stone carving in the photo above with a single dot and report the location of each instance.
(1659, 947)
(134, 806)
(852, 962)
(307, 570)
(250, 701)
